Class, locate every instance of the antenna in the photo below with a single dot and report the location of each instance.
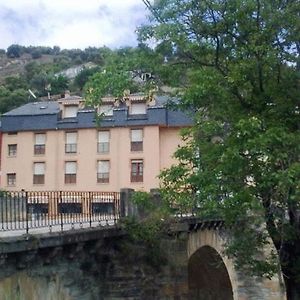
(31, 93)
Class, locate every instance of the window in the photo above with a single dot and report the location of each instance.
(39, 173)
(39, 144)
(137, 170)
(71, 111)
(138, 108)
(136, 139)
(12, 150)
(13, 133)
(11, 179)
(103, 171)
(103, 141)
(71, 142)
(70, 171)
(106, 110)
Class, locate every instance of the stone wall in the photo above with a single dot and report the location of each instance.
(111, 269)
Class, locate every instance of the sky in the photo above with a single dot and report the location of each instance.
(70, 24)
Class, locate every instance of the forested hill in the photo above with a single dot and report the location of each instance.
(46, 70)
(43, 70)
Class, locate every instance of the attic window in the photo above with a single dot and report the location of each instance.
(106, 110)
(70, 111)
(138, 108)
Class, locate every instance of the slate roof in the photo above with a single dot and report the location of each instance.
(35, 108)
(46, 116)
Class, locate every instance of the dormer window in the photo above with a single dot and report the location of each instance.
(70, 111)
(106, 110)
(138, 108)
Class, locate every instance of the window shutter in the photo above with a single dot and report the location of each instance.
(71, 137)
(103, 136)
(39, 168)
(103, 166)
(138, 108)
(71, 111)
(71, 167)
(136, 135)
(40, 139)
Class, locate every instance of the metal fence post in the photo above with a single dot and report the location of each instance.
(27, 212)
(59, 207)
(90, 208)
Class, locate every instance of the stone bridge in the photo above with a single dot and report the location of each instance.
(212, 275)
(103, 263)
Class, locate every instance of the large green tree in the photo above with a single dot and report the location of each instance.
(122, 70)
(240, 60)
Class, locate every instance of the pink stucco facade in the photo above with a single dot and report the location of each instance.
(159, 144)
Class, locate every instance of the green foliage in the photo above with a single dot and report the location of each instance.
(59, 84)
(149, 227)
(143, 200)
(14, 51)
(11, 99)
(36, 54)
(82, 78)
(15, 82)
(240, 75)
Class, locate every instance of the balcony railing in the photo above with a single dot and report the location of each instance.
(32, 210)
(136, 178)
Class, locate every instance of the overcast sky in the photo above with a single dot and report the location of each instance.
(70, 23)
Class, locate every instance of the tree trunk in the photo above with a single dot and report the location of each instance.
(290, 265)
(292, 289)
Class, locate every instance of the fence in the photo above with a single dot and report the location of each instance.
(29, 210)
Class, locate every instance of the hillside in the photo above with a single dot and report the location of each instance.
(16, 66)
(43, 70)
(46, 70)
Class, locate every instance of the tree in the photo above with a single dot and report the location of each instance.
(14, 51)
(81, 79)
(106, 83)
(37, 53)
(11, 99)
(59, 84)
(118, 73)
(15, 82)
(240, 60)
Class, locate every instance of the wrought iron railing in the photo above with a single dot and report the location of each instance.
(57, 209)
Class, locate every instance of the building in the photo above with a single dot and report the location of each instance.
(60, 145)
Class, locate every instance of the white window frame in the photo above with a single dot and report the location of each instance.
(103, 171)
(103, 141)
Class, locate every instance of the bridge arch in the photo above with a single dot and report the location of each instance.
(205, 250)
(208, 277)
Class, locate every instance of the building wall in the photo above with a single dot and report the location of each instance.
(158, 147)
(169, 140)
